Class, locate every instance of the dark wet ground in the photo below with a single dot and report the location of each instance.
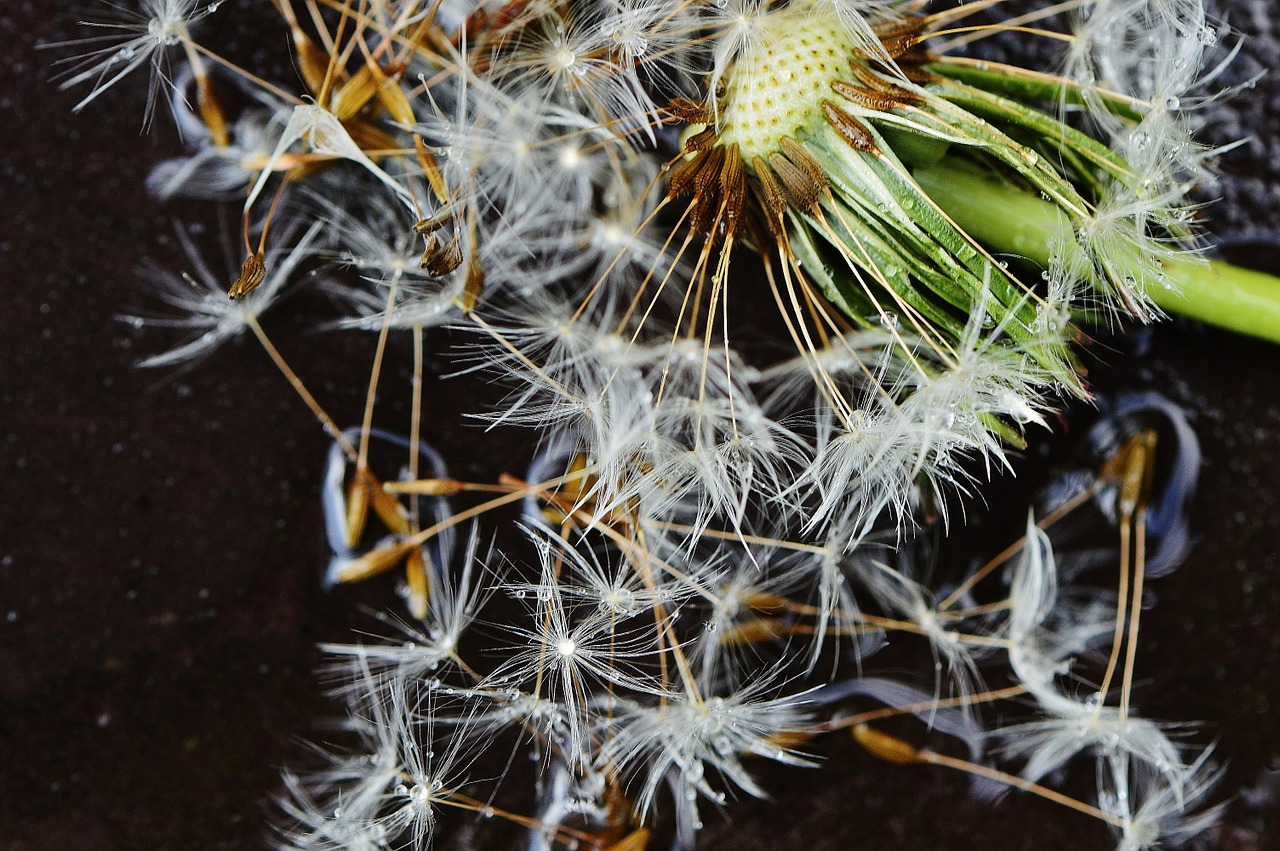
(160, 546)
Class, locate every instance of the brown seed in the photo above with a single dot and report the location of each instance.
(431, 169)
(473, 287)
(773, 199)
(863, 96)
(802, 192)
(798, 155)
(440, 257)
(388, 508)
(754, 631)
(373, 563)
(683, 173)
(688, 111)
(358, 505)
(701, 140)
(873, 81)
(886, 747)
(710, 171)
(733, 189)
(212, 113)
(853, 131)
(252, 272)
(419, 583)
(425, 487)
(636, 840)
(434, 223)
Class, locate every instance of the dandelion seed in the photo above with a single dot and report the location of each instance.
(145, 37)
(200, 303)
(325, 135)
(686, 736)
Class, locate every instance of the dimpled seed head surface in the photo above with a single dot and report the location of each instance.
(777, 86)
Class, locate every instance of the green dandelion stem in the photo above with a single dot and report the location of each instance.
(1011, 221)
(1221, 294)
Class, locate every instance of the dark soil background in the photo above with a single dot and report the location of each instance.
(160, 544)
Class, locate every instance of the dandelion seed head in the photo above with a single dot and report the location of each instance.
(698, 515)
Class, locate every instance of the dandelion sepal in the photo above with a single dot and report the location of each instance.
(1048, 130)
(1025, 84)
(882, 221)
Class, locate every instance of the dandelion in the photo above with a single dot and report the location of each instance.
(455, 602)
(394, 786)
(693, 739)
(567, 656)
(759, 280)
(200, 304)
(325, 136)
(1166, 817)
(133, 40)
(616, 591)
